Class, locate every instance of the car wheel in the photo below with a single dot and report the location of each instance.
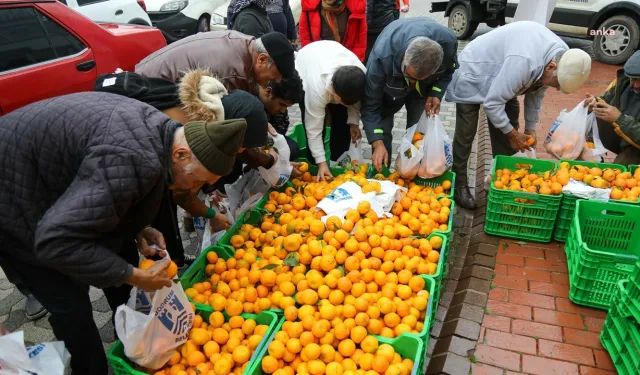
(620, 42)
(460, 22)
(203, 24)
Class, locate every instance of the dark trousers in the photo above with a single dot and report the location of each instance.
(466, 129)
(414, 105)
(372, 36)
(71, 312)
(611, 140)
(336, 116)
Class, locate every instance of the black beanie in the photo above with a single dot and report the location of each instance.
(157, 92)
(240, 104)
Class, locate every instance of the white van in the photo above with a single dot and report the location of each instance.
(612, 25)
(181, 18)
(114, 11)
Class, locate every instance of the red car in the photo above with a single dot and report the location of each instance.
(48, 49)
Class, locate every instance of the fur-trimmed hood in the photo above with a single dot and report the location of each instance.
(201, 96)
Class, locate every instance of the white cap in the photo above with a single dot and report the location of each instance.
(573, 70)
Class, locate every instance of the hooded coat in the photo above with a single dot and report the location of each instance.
(81, 174)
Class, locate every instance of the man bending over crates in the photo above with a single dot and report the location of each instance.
(522, 58)
(333, 80)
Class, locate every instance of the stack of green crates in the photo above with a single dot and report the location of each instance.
(602, 248)
(621, 331)
(568, 206)
(517, 214)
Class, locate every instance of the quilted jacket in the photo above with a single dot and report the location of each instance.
(79, 174)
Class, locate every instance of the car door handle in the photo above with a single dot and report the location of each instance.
(119, 12)
(86, 66)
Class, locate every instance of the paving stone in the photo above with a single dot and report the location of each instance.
(107, 333)
(449, 364)
(461, 327)
(43, 322)
(10, 301)
(5, 284)
(471, 297)
(466, 311)
(101, 305)
(95, 294)
(478, 272)
(3, 318)
(456, 345)
(101, 318)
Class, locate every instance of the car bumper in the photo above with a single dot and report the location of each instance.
(175, 24)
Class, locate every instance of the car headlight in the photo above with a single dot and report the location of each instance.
(174, 6)
(217, 19)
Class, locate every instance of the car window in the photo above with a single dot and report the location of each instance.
(28, 37)
(63, 42)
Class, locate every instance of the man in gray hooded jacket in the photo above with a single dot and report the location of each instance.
(522, 58)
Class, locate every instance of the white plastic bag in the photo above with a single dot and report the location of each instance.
(200, 223)
(437, 154)
(245, 193)
(566, 139)
(410, 152)
(48, 358)
(280, 172)
(594, 149)
(351, 157)
(152, 325)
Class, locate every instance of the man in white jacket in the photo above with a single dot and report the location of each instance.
(522, 58)
(333, 79)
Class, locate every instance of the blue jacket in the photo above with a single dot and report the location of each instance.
(384, 68)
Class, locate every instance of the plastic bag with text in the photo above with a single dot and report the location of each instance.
(48, 358)
(437, 154)
(152, 325)
(351, 157)
(410, 151)
(593, 148)
(245, 192)
(280, 172)
(566, 139)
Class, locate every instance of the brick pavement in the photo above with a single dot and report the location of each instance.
(530, 325)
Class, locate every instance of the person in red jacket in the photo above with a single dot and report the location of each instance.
(404, 8)
(341, 20)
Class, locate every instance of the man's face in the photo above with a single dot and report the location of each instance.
(263, 72)
(635, 85)
(188, 175)
(550, 76)
(410, 74)
(271, 104)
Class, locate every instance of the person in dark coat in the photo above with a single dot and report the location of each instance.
(380, 13)
(249, 17)
(282, 20)
(82, 176)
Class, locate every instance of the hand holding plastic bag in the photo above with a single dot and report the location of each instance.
(280, 172)
(566, 139)
(593, 148)
(410, 152)
(437, 154)
(152, 325)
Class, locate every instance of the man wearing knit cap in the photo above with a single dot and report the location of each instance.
(522, 58)
(618, 113)
(239, 61)
(83, 177)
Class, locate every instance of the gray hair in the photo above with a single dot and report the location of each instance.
(424, 56)
(260, 48)
(179, 139)
(556, 59)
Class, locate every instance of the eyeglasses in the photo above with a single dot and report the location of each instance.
(408, 77)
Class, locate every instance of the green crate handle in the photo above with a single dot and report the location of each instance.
(626, 267)
(613, 213)
(524, 195)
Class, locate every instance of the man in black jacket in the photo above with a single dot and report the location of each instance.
(82, 176)
(380, 13)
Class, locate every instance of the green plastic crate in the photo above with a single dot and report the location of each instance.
(507, 216)
(621, 338)
(602, 249)
(196, 272)
(299, 135)
(568, 205)
(123, 366)
(629, 303)
(408, 346)
(440, 274)
(252, 217)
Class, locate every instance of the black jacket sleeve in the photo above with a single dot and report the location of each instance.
(73, 236)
